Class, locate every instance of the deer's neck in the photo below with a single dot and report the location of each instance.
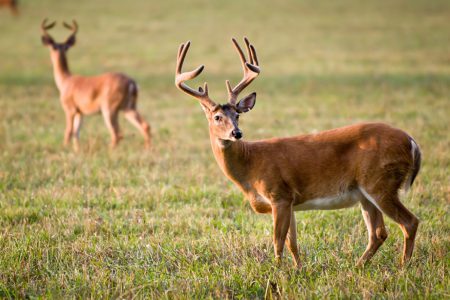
(233, 158)
(60, 68)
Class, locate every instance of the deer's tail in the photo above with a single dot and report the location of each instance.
(417, 159)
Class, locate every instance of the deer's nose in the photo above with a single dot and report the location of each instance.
(236, 133)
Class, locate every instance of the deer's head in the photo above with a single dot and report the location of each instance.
(223, 119)
(48, 40)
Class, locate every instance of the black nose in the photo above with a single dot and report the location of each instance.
(236, 133)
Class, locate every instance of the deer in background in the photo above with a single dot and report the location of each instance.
(108, 93)
(12, 4)
(367, 163)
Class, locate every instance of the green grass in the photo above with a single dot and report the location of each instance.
(129, 223)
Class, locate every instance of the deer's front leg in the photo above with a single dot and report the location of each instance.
(291, 240)
(77, 120)
(281, 213)
(137, 121)
(69, 127)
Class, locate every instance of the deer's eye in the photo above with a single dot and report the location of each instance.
(217, 118)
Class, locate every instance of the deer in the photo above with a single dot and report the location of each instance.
(12, 5)
(108, 93)
(366, 163)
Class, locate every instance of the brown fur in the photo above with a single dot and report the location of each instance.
(12, 5)
(107, 93)
(368, 162)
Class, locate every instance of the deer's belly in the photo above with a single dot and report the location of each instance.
(88, 103)
(343, 200)
(89, 108)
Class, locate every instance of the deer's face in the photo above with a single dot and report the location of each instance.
(58, 47)
(224, 119)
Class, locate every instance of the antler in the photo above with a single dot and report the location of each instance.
(180, 78)
(45, 26)
(251, 70)
(73, 27)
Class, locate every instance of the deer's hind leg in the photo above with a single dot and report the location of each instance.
(386, 199)
(376, 230)
(112, 123)
(133, 116)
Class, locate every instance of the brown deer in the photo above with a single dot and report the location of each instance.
(107, 93)
(12, 5)
(366, 163)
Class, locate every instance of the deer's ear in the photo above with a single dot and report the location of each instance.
(70, 41)
(46, 40)
(247, 103)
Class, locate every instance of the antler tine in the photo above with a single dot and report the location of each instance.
(73, 27)
(254, 57)
(180, 77)
(251, 70)
(67, 26)
(249, 52)
(45, 26)
(240, 52)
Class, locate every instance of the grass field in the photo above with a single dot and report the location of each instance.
(166, 223)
